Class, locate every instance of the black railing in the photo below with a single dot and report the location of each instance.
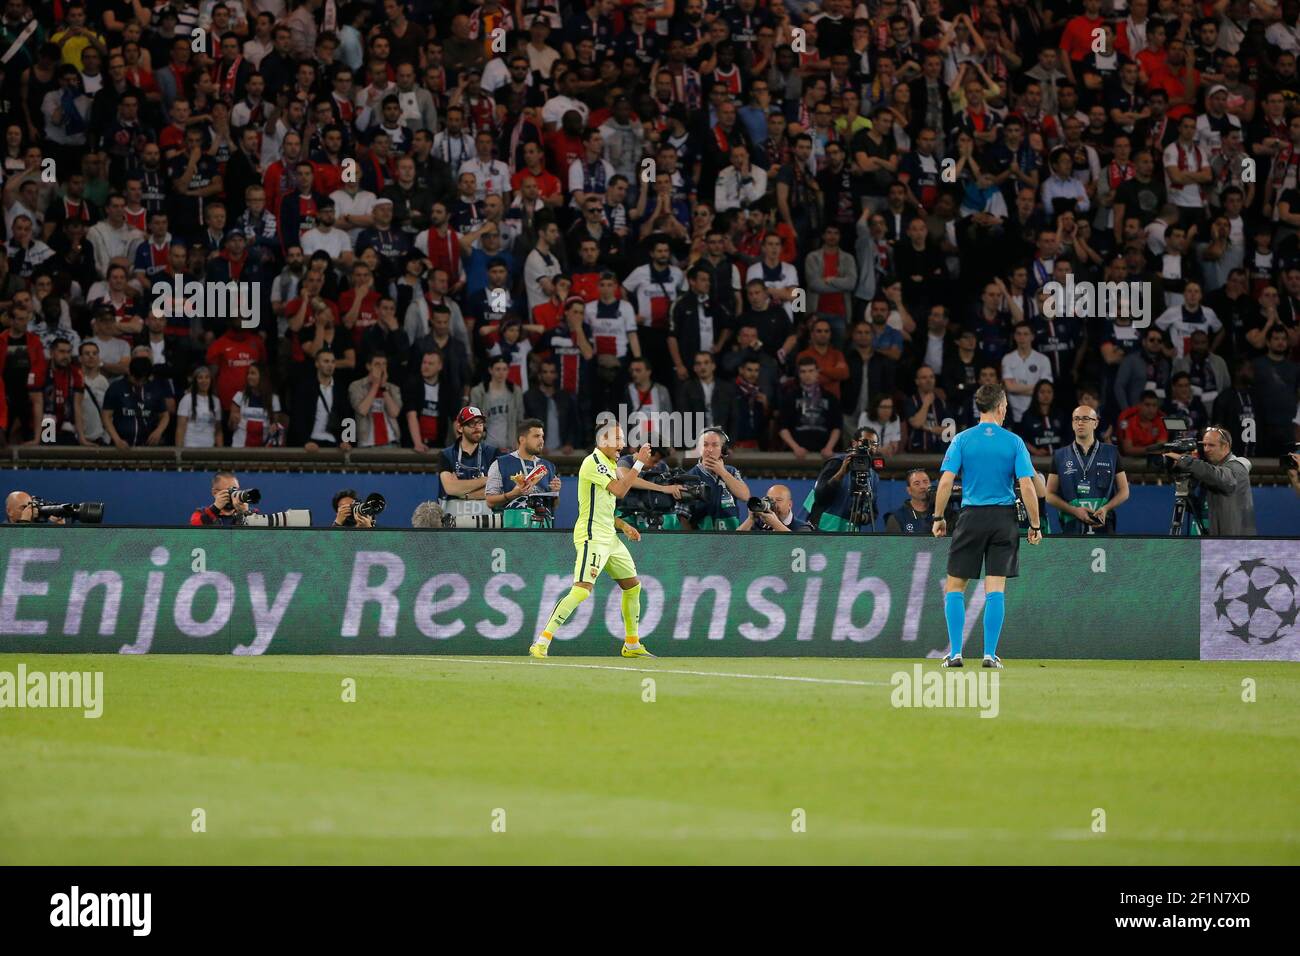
(756, 464)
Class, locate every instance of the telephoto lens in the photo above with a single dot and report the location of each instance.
(248, 496)
(371, 507)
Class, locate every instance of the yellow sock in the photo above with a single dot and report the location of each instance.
(631, 602)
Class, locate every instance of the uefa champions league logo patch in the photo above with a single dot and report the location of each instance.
(1256, 602)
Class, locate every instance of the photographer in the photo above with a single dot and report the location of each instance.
(344, 502)
(649, 493)
(723, 487)
(20, 508)
(463, 467)
(1226, 481)
(831, 503)
(916, 514)
(777, 513)
(525, 500)
(1087, 482)
(228, 508)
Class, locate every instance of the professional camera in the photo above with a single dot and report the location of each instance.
(87, 512)
(247, 496)
(374, 504)
(1184, 444)
(654, 506)
(862, 461)
(1186, 514)
(761, 506)
(293, 518)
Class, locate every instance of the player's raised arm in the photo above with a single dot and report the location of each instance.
(621, 485)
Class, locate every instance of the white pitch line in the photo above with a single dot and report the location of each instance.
(656, 670)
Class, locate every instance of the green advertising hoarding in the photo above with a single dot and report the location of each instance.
(259, 591)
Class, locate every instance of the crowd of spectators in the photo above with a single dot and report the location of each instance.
(796, 218)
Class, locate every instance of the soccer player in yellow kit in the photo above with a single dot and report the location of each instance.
(600, 484)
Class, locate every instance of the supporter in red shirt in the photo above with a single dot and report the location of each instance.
(231, 355)
(359, 306)
(1179, 79)
(548, 184)
(172, 137)
(1141, 426)
(1076, 41)
(564, 145)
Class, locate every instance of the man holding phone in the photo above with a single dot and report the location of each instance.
(1088, 482)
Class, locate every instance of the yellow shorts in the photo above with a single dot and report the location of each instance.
(593, 558)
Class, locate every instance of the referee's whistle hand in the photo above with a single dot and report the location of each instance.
(939, 528)
(1035, 537)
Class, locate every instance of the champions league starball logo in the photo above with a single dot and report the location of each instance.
(1256, 601)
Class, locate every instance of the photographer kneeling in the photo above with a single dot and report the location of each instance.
(775, 512)
(22, 508)
(229, 506)
(1226, 480)
(350, 512)
(847, 490)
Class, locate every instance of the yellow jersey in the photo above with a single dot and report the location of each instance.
(595, 504)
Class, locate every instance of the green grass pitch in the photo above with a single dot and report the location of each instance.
(711, 771)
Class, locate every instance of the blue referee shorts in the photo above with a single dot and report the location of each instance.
(985, 541)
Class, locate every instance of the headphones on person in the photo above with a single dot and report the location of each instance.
(726, 440)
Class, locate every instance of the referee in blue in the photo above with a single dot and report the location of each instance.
(989, 460)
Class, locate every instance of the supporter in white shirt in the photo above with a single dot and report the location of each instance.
(741, 184)
(780, 277)
(352, 209)
(453, 145)
(198, 413)
(1187, 167)
(491, 175)
(591, 172)
(1189, 316)
(324, 236)
(542, 266)
(654, 287)
(554, 109)
(1022, 370)
(612, 322)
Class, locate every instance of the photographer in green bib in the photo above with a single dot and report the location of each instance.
(522, 486)
(1087, 482)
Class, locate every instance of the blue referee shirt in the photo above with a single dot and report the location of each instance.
(988, 459)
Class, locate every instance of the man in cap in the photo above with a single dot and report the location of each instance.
(463, 466)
